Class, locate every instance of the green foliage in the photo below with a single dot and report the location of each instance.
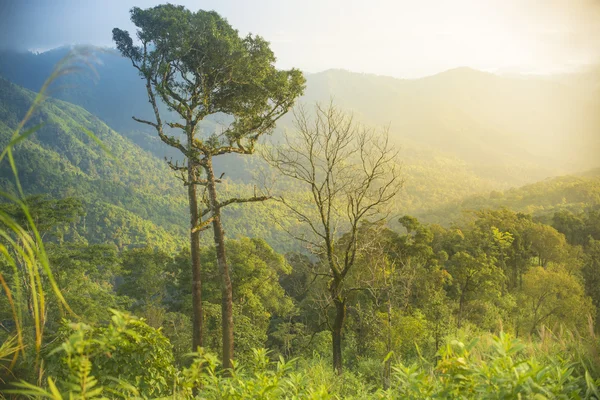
(489, 367)
(127, 350)
(500, 369)
(145, 276)
(591, 272)
(112, 230)
(475, 279)
(47, 214)
(259, 379)
(562, 196)
(554, 297)
(86, 276)
(257, 295)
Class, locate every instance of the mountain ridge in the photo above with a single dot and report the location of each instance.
(492, 112)
(450, 153)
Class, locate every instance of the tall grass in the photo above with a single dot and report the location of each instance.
(21, 245)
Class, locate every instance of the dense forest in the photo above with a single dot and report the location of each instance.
(259, 233)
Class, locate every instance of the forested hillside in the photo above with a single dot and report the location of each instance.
(491, 130)
(262, 233)
(542, 199)
(130, 196)
(485, 119)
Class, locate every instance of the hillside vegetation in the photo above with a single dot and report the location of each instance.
(494, 130)
(466, 265)
(574, 193)
(131, 197)
(432, 119)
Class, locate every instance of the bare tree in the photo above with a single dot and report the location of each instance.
(352, 174)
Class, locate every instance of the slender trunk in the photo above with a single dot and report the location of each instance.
(460, 309)
(535, 312)
(226, 288)
(340, 316)
(521, 279)
(437, 335)
(198, 316)
(515, 282)
(361, 346)
(387, 369)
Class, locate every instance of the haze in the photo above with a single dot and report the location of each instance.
(401, 38)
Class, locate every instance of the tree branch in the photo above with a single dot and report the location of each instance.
(246, 200)
(203, 225)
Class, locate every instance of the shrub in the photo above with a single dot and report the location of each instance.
(500, 370)
(126, 350)
(486, 368)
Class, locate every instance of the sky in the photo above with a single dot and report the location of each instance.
(400, 38)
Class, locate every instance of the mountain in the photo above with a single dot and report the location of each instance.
(510, 129)
(461, 133)
(131, 197)
(542, 199)
(61, 160)
(484, 119)
(107, 83)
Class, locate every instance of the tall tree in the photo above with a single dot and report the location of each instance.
(474, 278)
(553, 296)
(198, 66)
(352, 174)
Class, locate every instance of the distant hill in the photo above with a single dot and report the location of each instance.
(131, 199)
(110, 85)
(508, 129)
(541, 125)
(461, 132)
(541, 199)
(61, 160)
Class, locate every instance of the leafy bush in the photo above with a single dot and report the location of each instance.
(127, 350)
(129, 359)
(499, 370)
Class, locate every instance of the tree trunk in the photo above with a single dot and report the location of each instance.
(226, 288)
(387, 368)
(198, 315)
(515, 282)
(460, 309)
(340, 316)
